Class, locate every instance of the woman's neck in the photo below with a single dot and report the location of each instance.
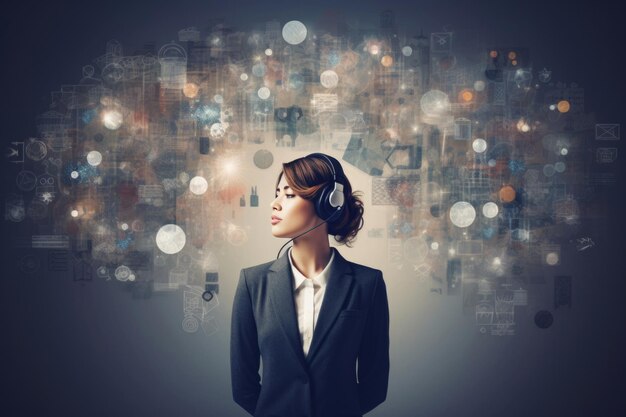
(310, 256)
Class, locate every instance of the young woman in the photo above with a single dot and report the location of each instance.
(310, 315)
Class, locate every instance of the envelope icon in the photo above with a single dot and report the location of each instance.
(440, 42)
(607, 131)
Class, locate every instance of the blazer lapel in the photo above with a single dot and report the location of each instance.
(282, 298)
(339, 283)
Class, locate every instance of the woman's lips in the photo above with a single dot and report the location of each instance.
(275, 220)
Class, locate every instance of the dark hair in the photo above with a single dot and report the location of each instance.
(307, 176)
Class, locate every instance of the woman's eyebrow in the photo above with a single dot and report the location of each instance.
(285, 187)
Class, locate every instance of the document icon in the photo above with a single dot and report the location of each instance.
(606, 155)
(607, 131)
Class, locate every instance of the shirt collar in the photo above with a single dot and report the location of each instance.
(321, 279)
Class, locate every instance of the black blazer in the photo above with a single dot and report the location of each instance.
(353, 323)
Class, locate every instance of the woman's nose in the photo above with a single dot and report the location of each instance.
(275, 204)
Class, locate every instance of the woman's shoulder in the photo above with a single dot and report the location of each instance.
(259, 269)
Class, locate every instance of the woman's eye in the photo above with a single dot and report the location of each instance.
(290, 195)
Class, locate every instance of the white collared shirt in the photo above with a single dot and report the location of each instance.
(309, 294)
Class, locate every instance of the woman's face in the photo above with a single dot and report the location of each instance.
(296, 213)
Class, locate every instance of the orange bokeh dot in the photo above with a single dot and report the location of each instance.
(466, 95)
(387, 61)
(507, 194)
(563, 106)
(514, 62)
(493, 54)
(190, 90)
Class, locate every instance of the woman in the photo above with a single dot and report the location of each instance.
(311, 314)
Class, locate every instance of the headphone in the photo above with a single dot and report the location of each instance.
(330, 201)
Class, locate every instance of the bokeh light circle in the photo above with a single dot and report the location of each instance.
(94, 158)
(490, 210)
(294, 32)
(198, 185)
(479, 145)
(329, 79)
(462, 214)
(171, 239)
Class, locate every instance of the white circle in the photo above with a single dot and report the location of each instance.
(552, 107)
(124, 226)
(74, 174)
(218, 99)
(329, 79)
(435, 103)
(490, 210)
(552, 258)
(268, 52)
(294, 32)
(131, 277)
(407, 51)
(94, 158)
(462, 214)
(479, 85)
(74, 213)
(112, 119)
(434, 246)
(198, 185)
(479, 145)
(264, 93)
(170, 239)
(564, 151)
(491, 163)
(243, 77)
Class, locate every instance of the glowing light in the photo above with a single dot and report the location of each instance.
(552, 107)
(479, 85)
(407, 51)
(124, 226)
(190, 90)
(434, 246)
(94, 158)
(466, 96)
(198, 185)
(264, 93)
(268, 52)
(507, 194)
(112, 119)
(74, 213)
(523, 126)
(552, 258)
(563, 106)
(512, 55)
(74, 174)
(387, 61)
(435, 103)
(490, 210)
(564, 151)
(493, 54)
(374, 49)
(462, 214)
(329, 79)
(294, 32)
(479, 145)
(170, 239)
(244, 77)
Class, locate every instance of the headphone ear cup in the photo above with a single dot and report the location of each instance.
(323, 207)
